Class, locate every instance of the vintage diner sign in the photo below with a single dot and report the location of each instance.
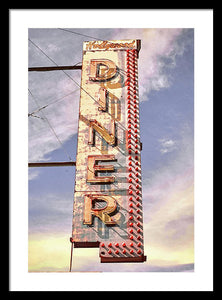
(107, 211)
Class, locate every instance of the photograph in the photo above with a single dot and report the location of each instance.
(125, 117)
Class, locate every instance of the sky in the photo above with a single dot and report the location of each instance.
(166, 92)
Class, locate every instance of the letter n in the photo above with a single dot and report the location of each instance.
(110, 138)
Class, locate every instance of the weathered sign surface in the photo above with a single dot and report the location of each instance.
(107, 211)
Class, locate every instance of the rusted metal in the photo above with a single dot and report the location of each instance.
(141, 259)
(52, 164)
(102, 213)
(103, 132)
(86, 244)
(94, 168)
(107, 211)
(54, 68)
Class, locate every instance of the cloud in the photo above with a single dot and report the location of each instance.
(47, 87)
(168, 211)
(33, 174)
(48, 252)
(158, 52)
(167, 145)
(168, 205)
(51, 253)
(159, 49)
(57, 120)
(50, 213)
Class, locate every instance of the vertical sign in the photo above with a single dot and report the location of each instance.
(107, 211)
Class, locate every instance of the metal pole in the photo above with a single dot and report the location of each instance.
(52, 164)
(54, 68)
(70, 266)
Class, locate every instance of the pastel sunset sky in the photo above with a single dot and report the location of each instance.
(166, 90)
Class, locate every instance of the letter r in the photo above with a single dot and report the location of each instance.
(102, 213)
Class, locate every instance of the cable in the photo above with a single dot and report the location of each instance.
(45, 118)
(43, 52)
(64, 71)
(35, 111)
(72, 78)
(31, 115)
(80, 34)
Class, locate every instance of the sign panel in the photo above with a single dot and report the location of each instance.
(107, 211)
